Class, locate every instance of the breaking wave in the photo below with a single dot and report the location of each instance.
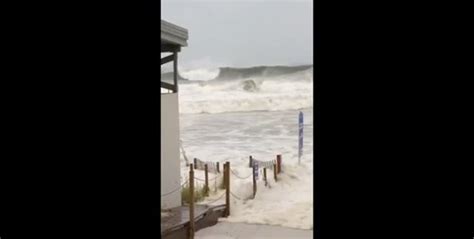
(229, 73)
(262, 88)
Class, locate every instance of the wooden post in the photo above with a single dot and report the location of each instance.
(265, 175)
(254, 180)
(279, 163)
(225, 176)
(195, 163)
(217, 165)
(227, 188)
(206, 187)
(191, 202)
(275, 172)
(250, 161)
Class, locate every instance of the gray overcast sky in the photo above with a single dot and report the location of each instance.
(243, 33)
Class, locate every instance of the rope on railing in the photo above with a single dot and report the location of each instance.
(200, 179)
(215, 200)
(235, 174)
(235, 196)
(176, 189)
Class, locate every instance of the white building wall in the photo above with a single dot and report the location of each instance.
(170, 165)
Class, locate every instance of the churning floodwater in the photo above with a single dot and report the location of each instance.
(242, 112)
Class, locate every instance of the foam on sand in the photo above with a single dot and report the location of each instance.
(232, 137)
(251, 231)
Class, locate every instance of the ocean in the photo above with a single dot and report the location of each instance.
(228, 114)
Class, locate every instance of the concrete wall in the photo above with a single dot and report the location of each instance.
(170, 165)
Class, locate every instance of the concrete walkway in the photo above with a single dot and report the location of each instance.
(226, 230)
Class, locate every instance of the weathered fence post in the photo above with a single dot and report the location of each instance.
(217, 165)
(227, 188)
(250, 161)
(195, 163)
(265, 175)
(279, 163)
(206, 177)
(191, 202)
(254, 169)
(225, 175)
(275, 172)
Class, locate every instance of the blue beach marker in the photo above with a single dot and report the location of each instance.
(300, 136)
